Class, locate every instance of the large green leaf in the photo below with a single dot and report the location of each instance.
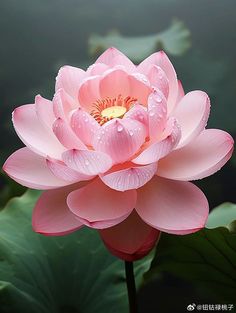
(66, 274)
(206, 258)
(223, 215)
(175, 40)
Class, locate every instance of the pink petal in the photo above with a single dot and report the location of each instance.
(51, 215)
(63, 104)
(84, 126)
(120, 139)
(87, 162)
(115, 83)
(62, 171)
(98, 206)
(44, 111)
(172, 206)
(181, 92)
(139, 113)
(157, 114)
(157, 150)
(158, 79)
(130, 178)
(66, 136)
(192, 113)
(112, 57)
(139, 87)
(97, 69)
(202, 157)
(160, 59)
(130, 240)
(34, 134)
(69, 79)
(89, 92)
(30, 170)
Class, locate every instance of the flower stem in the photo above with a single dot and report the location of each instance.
(130, 281)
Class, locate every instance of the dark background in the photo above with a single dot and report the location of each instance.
(39, 36)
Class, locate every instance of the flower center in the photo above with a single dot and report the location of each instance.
(115, 111)
(106, 109)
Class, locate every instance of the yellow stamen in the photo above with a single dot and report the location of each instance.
(106, 109)
(115, 111)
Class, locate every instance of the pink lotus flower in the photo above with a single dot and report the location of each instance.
(117, 145)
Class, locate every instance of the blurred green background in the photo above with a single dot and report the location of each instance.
(39, 36)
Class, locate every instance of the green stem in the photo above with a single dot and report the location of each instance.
(130, 281)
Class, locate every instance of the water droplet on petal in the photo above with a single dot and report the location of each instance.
(151, 113)
(86, 162)
(131, 133)
(120, 128)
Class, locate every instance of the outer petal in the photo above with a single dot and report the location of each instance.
(62, 171)
(51, 215)
(181, 92)
(84, 126)
(96, 69)
(30, 170)
(113, 57)
(66, 136)
(87, 162)
(130, 240)
(34, 134)
(160, 59)
(63, 104)
(98, 206)
(115, 83)
(157, 114)
(192, 113)
(120, 139)
(158, 79)
(44, 111)
(89, 92)
(171, 206)
(130, 178)
(200, 158)
(69, 79)
(157, 150)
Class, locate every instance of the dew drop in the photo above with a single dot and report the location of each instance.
(86, 162)
(131, 133)
(152, 113)
(120, 128)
